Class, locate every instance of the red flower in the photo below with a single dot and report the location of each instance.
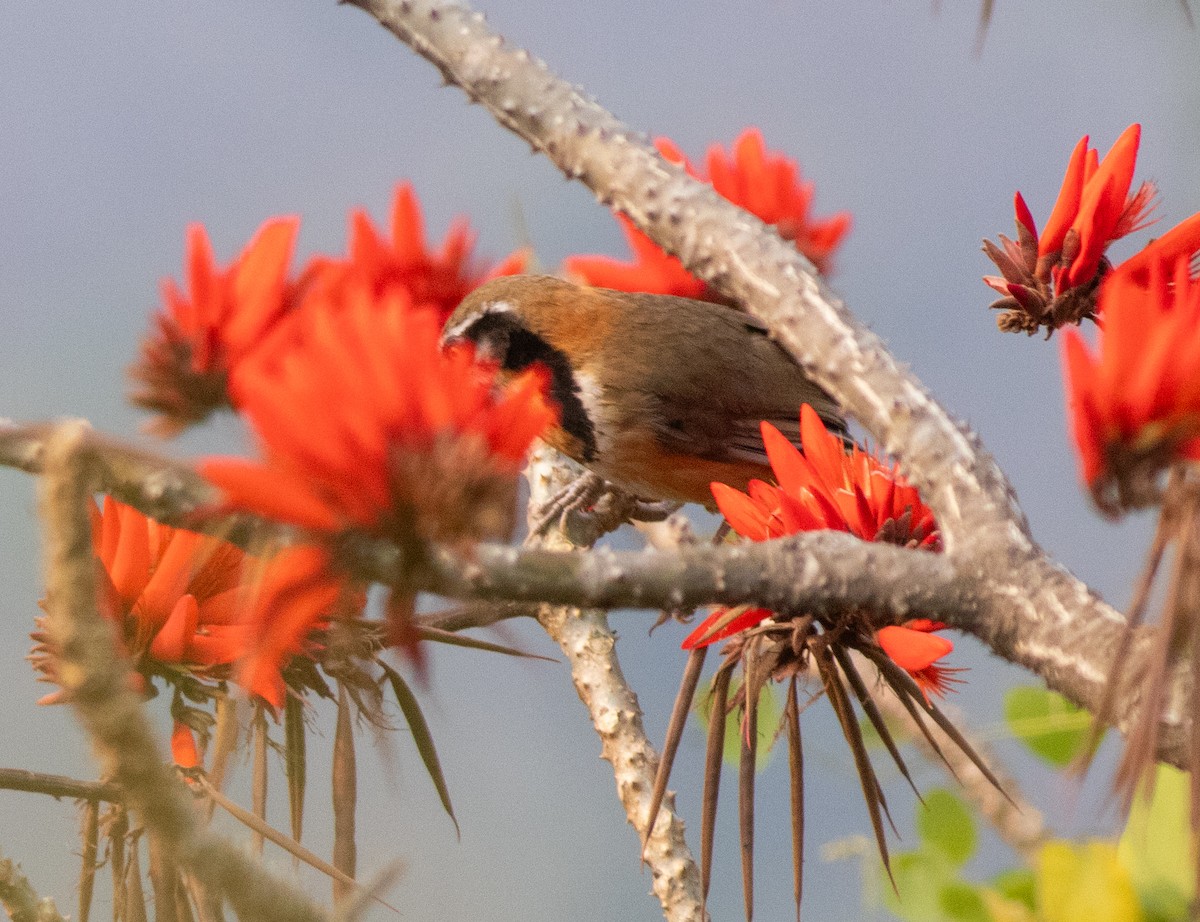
(175, 597)
(200, 335)
(914, 648)
(766, 184)
(1094, 208)
(438, 278)
(1051, 279)
(826, 488)
(184, 751)
(1135, 407)
(366, 425)
(174, 593)
(203, 337)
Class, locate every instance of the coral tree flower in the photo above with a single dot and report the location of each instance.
(766, 184)
(367, 426)
(432, 277)
(176, 600)
(916, 649)
(826, 488)
(1135, 406)
(203, 336)
(1050, 279)
(203, 332)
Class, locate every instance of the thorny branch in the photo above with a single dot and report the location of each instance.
(590, 647)
(993, 581)
(1030, 609)
(813, 571)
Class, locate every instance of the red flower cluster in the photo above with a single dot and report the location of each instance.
(206, 334)
(202, 334)
(826, 488)
(367, 425)
(1135, 407)
(764, 183)
(182, 606)
(439, 278)
(1050, 279)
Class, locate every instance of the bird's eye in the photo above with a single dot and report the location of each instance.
(491, 345)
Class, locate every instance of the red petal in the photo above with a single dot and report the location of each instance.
(792, 472)
(722, 623)
(183, 747)
(1067, 205)
(912, 650)
(1024, 215)
(269, 492)
(822, 450)
(171, 644)
(745, 516)
(1181, 240)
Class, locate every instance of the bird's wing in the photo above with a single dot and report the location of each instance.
(714, 404)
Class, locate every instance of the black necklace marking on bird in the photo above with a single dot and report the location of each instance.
(500, 337)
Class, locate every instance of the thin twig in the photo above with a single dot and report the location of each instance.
(20, 779)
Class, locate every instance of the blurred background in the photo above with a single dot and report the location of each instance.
(122, 122)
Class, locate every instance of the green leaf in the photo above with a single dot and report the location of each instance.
(1163, 902)
(1050, 725)
(770, 716)
(945, 824)
(1018, 885)
(1157, 845)
(920, 876)
(1002, 909)
(963, 902)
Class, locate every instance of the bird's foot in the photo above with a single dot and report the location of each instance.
(590, 507)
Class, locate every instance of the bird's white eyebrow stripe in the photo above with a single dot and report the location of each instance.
(491, 307)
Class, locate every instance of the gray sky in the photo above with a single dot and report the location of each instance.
(122, 122)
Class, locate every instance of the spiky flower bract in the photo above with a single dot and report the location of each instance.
(819, 487)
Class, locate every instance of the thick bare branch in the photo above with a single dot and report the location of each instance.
(814, 571)
(590, 647)
(1020, 603)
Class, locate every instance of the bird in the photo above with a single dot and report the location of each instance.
(659, 395)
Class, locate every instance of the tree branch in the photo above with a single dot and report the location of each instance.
(20, 779)
(1032, 611)
(20, 901)
(590, 647)
(1023, 605)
